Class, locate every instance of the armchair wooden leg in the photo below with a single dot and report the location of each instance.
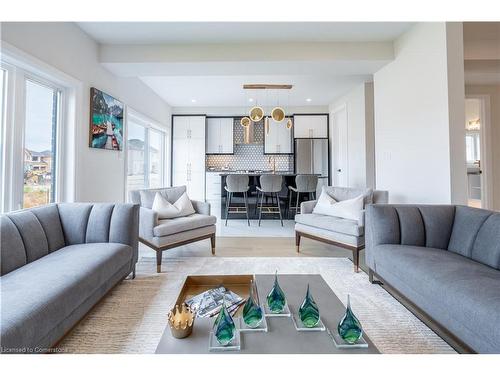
(159, 254)
(297, 241)
(355, 259)
(212, 241)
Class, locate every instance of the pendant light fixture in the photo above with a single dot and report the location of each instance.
(257, 113)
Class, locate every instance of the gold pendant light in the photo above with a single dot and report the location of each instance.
(245, 121)
(256, 114)
(278, 114)
(289, 123)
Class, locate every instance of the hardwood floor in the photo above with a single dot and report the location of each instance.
(256, 247)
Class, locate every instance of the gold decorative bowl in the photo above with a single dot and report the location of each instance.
(181, 321)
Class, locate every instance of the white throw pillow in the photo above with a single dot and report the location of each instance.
(167, 210)
(347, 209)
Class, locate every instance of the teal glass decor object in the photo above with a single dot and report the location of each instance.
(224, 328)
(349, 327)
(276, 299)
(308, 311)
(252, 312)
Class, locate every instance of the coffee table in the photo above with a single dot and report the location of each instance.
(282, 337)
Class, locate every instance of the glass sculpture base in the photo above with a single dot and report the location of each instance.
(285, 313)
(299, 326)
(243, 327)
(340, 343)
(215, 346)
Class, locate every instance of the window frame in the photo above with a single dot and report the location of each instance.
(149, 125)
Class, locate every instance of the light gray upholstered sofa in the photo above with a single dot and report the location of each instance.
(443, 261)
(58, 261)
(345, 233)
(165, 234)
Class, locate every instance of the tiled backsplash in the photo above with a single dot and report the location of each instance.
(249, 156)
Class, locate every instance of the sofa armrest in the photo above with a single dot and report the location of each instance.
(148, 219)
(201, 207)
(307, 207)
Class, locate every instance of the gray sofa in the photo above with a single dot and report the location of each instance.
(443, 261)
(165, 234)
(345, 233)
(58, 261)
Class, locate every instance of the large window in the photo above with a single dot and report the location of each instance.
(30, 123)
(145, 153)
(40, 140)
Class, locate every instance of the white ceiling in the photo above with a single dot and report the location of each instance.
(219, 83)
(226, 91)
(241, 32)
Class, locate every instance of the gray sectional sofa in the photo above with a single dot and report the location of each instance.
(443, 262)
(57, 261)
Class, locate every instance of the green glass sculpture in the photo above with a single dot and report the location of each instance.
(349, 327)
(308, 311)
(252, 312)
(276, 299)
(224, 328)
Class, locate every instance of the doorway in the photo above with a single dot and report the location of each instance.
(478, 151)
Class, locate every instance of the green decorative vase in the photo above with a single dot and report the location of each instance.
(252, 312)
(308, 311)
(224, 328)
(276, 299)
(349, 327)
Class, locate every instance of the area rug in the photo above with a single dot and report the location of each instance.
(132, 317)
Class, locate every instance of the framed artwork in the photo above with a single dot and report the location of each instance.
(106, 121)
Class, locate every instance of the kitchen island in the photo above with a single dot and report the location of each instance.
(253, 176)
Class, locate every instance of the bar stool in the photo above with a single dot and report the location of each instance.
(236, 183)
(305, 184)
(270, 184)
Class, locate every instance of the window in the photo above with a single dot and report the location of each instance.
(145, 153)
(40, 134)
(472, 147)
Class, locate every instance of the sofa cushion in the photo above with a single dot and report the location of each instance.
(32, 233)
(48, 216)
(487, 245)
(466, 226)
(171, 194)
(343, 193)
(181, 224)
(459, 293)
(53, 287)
(74, 220)
(166, 210)
(334, 224)
(12, 253)
(98, 223)
(438, 223)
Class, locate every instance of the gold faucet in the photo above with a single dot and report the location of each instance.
(274, 162)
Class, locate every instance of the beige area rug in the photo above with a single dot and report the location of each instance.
(131, 318)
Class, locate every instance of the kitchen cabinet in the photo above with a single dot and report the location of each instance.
(219, 135)
(188, 154)
(213, 187)
(278, 139)
(310, 126)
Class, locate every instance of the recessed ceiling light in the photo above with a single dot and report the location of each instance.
(193, 100)
(308, 100)
(250, 100)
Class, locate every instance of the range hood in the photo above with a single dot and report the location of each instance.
(251, 135)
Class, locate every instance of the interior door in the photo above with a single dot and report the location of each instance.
(340, 171)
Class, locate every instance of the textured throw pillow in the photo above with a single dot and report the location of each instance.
(347, 209)
(167, 210)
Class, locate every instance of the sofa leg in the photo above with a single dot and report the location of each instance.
(212, 242)
(370, 275)
(355, 256)
(159, 254)
(297, 241)
(133, 273)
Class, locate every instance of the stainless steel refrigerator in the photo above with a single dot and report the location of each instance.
(311, 157)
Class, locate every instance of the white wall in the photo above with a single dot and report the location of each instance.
(413, 110)
(100, 174)
(360, 139)
(493, 92)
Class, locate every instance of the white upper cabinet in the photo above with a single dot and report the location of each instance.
(188, 154)
(278, 139)
(310, 126)
(220, 136)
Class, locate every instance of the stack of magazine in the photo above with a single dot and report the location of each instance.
(209, 303)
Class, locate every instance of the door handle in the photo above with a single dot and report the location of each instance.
(339, 170)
